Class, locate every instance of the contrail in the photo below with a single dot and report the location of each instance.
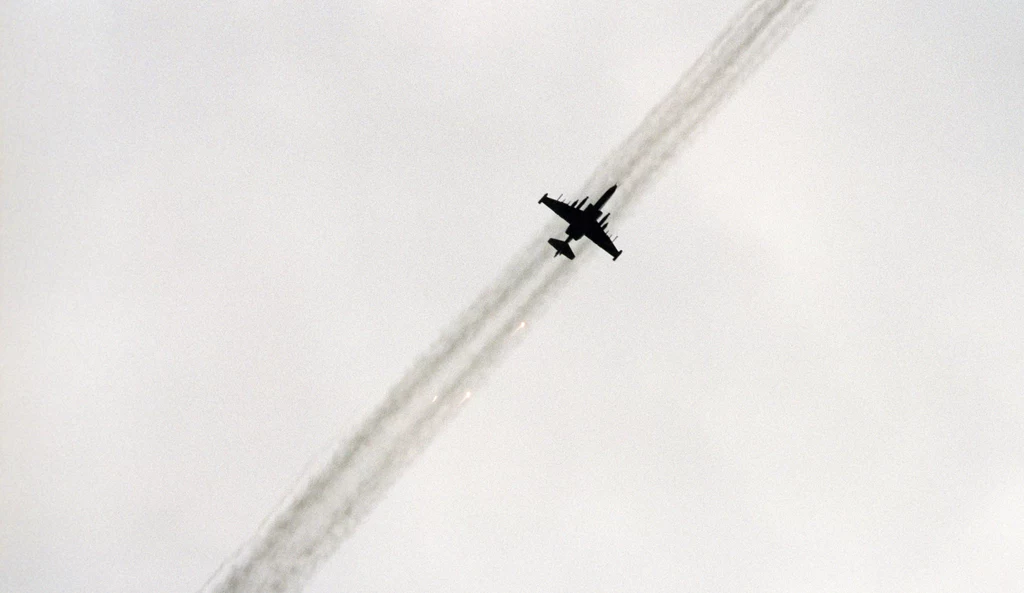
(310, 525)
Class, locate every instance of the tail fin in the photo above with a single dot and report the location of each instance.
(562, 248)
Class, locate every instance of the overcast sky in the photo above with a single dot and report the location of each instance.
(225, 231)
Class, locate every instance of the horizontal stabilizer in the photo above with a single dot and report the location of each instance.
(562, 248)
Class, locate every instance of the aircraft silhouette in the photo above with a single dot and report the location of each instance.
(583, 222)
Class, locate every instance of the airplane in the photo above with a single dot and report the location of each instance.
(583, 222)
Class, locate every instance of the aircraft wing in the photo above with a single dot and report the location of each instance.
(595, 233)
(565, 211)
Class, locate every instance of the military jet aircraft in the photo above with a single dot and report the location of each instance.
(583, 222)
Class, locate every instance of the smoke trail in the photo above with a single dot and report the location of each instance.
(311, 524)
(286, 522)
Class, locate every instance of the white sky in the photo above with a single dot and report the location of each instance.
(227, 230)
